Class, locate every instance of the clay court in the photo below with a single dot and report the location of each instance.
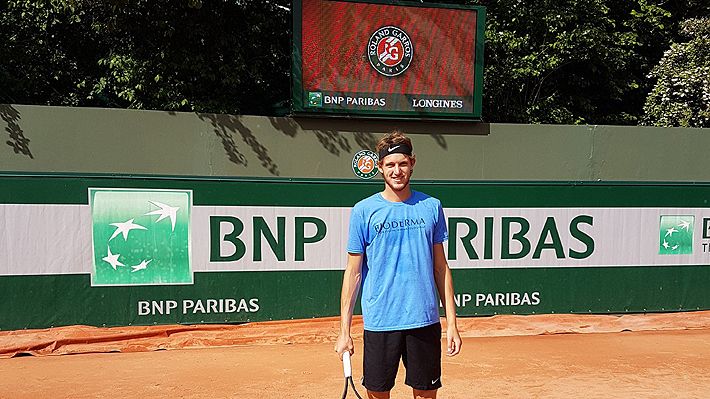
(539, 356)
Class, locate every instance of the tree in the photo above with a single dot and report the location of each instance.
(546, 61)
(45, 52)
(218, 56)
(563, 61)
(681, 96)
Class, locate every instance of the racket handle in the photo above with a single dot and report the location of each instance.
(347, 368)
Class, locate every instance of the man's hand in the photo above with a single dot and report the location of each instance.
(453, 341)
(344, 343)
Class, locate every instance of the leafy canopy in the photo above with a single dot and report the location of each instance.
(681, 96)
(546, 61)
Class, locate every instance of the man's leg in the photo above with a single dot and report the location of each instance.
(422, 359)
(424, 394)
(382, 351)
(378, 395)
(417, 394)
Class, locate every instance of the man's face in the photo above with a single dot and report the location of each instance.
(396, 170)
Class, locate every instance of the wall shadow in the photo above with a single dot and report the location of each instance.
(226, 127)
(328, 137)
(285, 125)
(383, 126)
(332, 141)
(368, 131)
(19, 143)
(329, 132)
(367, 140)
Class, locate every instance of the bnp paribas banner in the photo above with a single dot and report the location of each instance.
(137, 252)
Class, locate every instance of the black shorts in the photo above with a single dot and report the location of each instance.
(419, 349)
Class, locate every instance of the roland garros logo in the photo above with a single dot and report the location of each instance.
(390, 50)
(365, 164)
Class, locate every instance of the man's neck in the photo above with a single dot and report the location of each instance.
(398, 195)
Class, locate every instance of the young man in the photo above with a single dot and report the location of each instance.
(395, 250)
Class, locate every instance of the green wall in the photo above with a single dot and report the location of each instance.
(48, 293)
(52, 155)
(86, 140)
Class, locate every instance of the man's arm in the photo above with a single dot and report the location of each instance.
(445, 286)
(348, 296)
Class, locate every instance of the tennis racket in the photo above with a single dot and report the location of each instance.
(348, 371)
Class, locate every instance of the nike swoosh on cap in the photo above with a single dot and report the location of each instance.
(390, 149)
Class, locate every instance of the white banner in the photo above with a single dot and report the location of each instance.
(56, 239)
(582, 237)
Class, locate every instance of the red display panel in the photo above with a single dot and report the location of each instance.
(381, 58)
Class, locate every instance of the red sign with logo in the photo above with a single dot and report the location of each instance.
(400, 58)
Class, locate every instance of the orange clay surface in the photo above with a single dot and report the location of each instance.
(542, 356)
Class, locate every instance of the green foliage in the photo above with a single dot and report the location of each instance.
(575, 61)
(41, 57)
(569, 61)
(220, 56)
(546, 61)
(681, 96)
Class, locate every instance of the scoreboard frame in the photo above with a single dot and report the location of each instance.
(300, 95)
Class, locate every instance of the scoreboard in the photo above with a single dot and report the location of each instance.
(366, 58)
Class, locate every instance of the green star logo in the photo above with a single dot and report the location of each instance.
(140, 237)
(315, 99)
(676, 234)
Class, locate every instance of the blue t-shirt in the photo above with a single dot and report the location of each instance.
(397, 238)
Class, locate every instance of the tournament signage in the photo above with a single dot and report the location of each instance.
(389, 59)
(119, 251)
(255, 238)
(149, 232)
(390, 51)
(365, 164)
